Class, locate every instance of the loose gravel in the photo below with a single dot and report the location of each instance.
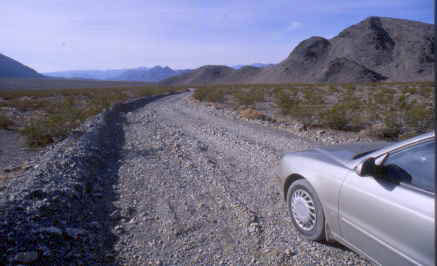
(160, 181)
(197, 187)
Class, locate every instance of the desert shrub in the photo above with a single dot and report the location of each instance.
(200, 94)
(349, 87)
(387, 90)
(65, 113)
(313, 96)
(392, 126)
(5, 122)
(250, 113)
(425, 91)
(349, 113)
(335, 117)
(44, 131)
(411, 90)
(216, 95)
(249, 97)
(308, 115)
(402, 101)
(419, 118)
(383, 98)
(305, 111)
(349, 100)
(36, 134)
(54, 126)
(285, 101)
(210, 94)
(383, 131)
(333, 89)
(27, 104)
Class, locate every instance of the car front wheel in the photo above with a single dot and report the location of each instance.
(306, 210)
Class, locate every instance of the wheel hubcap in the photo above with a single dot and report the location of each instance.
(302, 207)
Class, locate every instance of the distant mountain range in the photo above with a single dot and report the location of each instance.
(9, 68)
(145, 74)
(87, 74)
(376, 49)
(153, 74)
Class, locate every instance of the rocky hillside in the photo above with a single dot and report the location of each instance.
(376, 49)
(201, 76)
(10, 68)
(214, 74)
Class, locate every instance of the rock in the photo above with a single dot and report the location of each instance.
(12, 169)
(45, 251)
(254, 227)
(301, 128)
(74, 233)
(119, 229)
(290, 252)
(50, 230)
(26, 257)
(95, 225)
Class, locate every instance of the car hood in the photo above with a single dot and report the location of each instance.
(345, 153)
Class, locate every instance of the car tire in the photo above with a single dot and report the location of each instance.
(305, 210)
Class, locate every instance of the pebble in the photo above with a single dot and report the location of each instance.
(51, 230)
(26, 257)
(74, 233)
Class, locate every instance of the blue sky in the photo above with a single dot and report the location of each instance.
(54, 35)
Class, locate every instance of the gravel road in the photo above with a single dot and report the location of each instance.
(159, 181)
(197, 187)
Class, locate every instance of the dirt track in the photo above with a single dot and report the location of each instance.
(196, 187)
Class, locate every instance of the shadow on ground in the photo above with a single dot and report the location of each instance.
(112, 139)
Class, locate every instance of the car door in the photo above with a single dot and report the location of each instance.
(390, 217)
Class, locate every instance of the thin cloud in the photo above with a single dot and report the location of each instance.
(294, 26)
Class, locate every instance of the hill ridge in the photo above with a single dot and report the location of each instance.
(11, 68)
(374, 49)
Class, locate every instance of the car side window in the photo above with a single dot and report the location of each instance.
(413, 165)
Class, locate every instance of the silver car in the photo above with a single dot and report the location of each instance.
(377, 199)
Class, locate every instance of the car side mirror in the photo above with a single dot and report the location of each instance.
(370, 166)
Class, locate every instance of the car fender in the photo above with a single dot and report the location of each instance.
(325, 177)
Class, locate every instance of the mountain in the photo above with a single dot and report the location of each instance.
(153, 74)
(203, 75)
(214, 74)
(376, 49)
(259, 65)
(9, 68)
(145, 74)
(87, 74)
